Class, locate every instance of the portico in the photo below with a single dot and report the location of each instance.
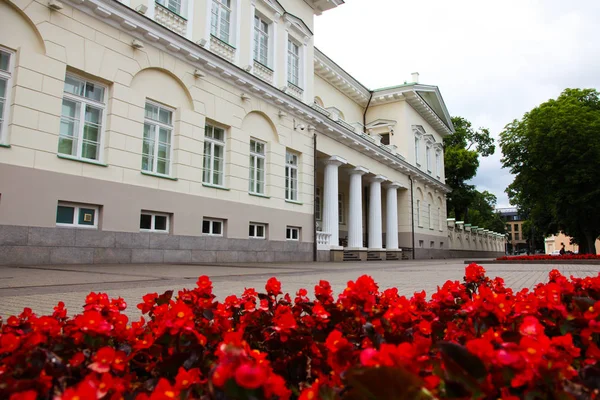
(371, 220)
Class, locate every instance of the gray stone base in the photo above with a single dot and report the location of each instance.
(422, 254)
(22, 245)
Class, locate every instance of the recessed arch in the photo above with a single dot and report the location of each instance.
(163, 86)
(17, 30)
(258, 125)
(319, 102)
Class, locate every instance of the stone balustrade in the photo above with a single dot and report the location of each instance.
(463, 236)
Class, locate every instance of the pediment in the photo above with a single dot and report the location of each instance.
(381, 123)
(298, 25)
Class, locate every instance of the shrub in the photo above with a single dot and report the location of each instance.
(549, 257)
(476, 339)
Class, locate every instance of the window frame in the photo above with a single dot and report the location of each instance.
(214, 143)
(292, 192)
(430, 216)
(341, 210)
(289, 230)
(254, 157)
(290, 56)
(7, 76)
(440, 219)
(256, 225)
(417, 151)
(419, 213)
(82, 102)
(154, 214)
(78, 207)
(221, 5)
(212, 222)
(428, 157)
(158, 125)
(166, 5)
(438, 164)
(259, 33)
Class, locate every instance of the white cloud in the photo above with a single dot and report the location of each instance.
(492, 61)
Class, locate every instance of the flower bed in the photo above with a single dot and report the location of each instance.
(472, 340)
(538, 257)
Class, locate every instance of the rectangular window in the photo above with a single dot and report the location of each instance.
(171, 5)
(154, 222)
(158, 131)
(385, 138)
(421, 243)
(212, 227)
(517, 236)
(214, 156)
(77, 215)
(81, 119)
(516, 227)
(438, 163)
(292, 233)
(318, 203)
(430, 217)
(220, 23)
(341, 208)
(439, 218)
(293, 63)
(257, 167)
(261, 40)
(428, 158)
(432, 244)
(508, 227)
(291, 176)
(5, 88)
(419, 213)
(257, 231)
(441, 245)
(417, 150)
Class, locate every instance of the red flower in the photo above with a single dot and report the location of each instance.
(250, 376)
(185, 379)
(9, 343)
(27, 395)
(149, 302)
(107, 358)
(93, 321)
(273, 287)
(474, 273)
(164, 391)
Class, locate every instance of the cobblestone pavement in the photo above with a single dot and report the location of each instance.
(41, 287)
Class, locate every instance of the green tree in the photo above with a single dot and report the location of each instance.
(462, 150)
(482, 212)
(554, 153)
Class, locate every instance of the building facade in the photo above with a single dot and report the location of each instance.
(555, 242)
(180, 131)
(516, 241)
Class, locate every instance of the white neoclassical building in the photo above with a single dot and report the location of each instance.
(175, 131)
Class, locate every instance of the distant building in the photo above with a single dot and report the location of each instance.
(514, 229)
(554, 242)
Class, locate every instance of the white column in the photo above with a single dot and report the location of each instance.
(355, 222)
(375, 233)
(331, 218)
(391, 216)
(251, 35)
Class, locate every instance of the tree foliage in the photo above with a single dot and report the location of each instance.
(482, 212)
(462, 150)
(554, 153)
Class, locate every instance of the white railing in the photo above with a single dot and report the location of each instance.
(169, 19)
(295, 91)
(321, 109)
(346, 125)
(323, 241)
(263, 72)
(222, 49)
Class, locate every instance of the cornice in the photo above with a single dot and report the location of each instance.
(340, 79)
(146, 30)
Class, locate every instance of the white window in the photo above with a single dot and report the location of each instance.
(257, 167)
(417, 148)
(220, 23)
(440, 218)
(214, 155)
(154, 222)
(172, 5)
(261, 40)
(419, 213)
(81, 122)
(6, 59)
(430, 217)
(428, 158)
(212, 227)
(341, 208)
(292, 233)
(77, 215)
(158, 130)
(257, 231)
(438, 163)
(293, 63)
(291, 176)
(318, 203)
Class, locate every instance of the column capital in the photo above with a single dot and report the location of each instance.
(358, 171)
(335, 160)
(378, 178)
(394, 185)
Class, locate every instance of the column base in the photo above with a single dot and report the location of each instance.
(355, 248)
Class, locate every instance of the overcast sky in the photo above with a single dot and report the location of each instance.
(493, 60)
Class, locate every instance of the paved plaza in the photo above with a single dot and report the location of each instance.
(41, 287)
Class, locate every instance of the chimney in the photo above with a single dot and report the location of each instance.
(415, 77)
